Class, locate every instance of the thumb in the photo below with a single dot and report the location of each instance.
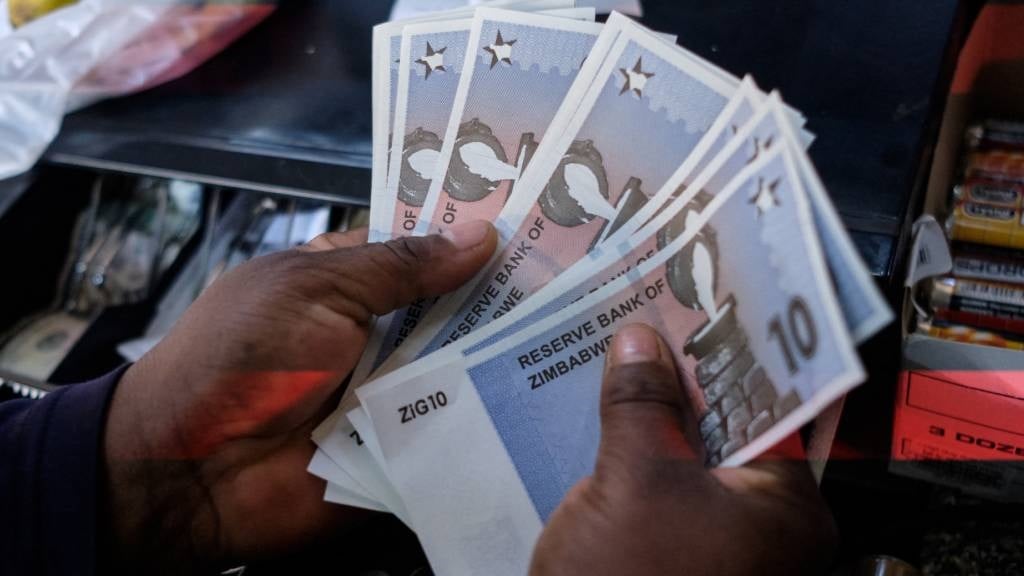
(378, 278)
(646, 419)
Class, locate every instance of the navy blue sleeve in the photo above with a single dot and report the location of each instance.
(50, 474)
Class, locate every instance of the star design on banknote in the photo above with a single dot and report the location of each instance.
(636, 79)
(433, 60)
(500, 51)
(758, 146)
(765, 199)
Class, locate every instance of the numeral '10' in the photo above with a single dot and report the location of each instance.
(798, 330)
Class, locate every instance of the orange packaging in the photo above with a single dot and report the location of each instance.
(967, 335)
(1002, 165)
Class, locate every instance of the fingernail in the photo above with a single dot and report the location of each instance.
(468, 235)
(634, 344)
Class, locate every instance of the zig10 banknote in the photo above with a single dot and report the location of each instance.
(501, 434)
(431, 65)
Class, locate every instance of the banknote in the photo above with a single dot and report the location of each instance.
(643, 115)
(745, 303)
(344, 489)
(387, 38)
(358, 468)
(320, 465)
(431, 64)
(387, 41)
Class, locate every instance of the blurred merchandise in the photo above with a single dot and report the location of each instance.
(124, 242)
(250, 227)
(988, 212)
(959, 407)
(355, 218)
(991, 305)
(59, 55)
(966, 334)
(974, 291)
(959, 415)
(129, 244)
(999, 134)
(22, 12)
(987, 205)
(995, 164)
(987, 263)
(41, 344)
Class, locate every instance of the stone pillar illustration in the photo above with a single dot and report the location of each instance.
(740, 400)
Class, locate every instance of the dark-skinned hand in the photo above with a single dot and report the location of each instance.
(651, 508)
(208, 435)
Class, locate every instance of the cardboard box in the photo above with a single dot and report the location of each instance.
(959, 417)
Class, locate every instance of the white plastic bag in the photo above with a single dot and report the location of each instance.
(94, 49)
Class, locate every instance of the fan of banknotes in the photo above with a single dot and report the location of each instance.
(630, 181)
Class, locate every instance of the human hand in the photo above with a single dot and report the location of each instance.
(651, 508)
(208, 435)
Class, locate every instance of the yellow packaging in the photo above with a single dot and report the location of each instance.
(988, 212)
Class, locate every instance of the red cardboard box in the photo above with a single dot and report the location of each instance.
(962, 426)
